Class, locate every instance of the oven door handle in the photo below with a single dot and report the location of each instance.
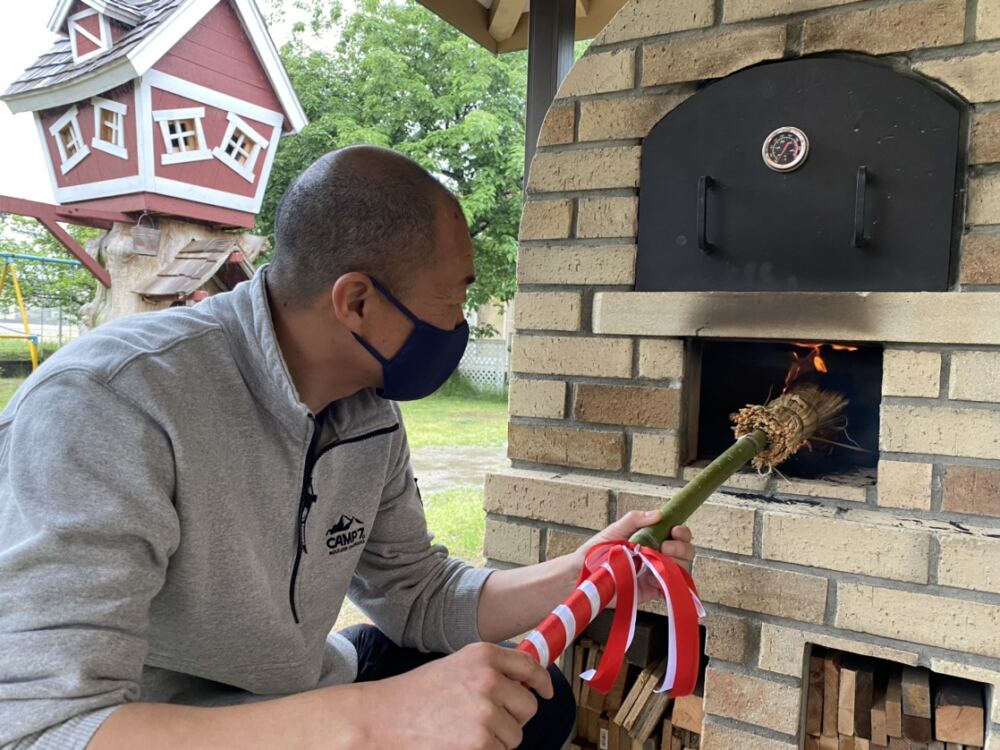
(704, 183)
(860, 188)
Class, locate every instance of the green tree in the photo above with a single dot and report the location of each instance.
(45, 284)
(402, 78)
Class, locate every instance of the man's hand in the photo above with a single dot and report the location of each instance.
(475, 699)
(678, 547)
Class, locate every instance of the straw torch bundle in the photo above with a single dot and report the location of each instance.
(767, 435)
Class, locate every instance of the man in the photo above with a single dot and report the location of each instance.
(187, 497)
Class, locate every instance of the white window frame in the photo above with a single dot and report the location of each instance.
(102, 108)
(246, 171)
(69, 119)
(103, 44)
(172, 156)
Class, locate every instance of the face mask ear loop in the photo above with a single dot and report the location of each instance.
(399, 305)
(371, 349)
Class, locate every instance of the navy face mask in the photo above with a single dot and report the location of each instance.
(427, 358)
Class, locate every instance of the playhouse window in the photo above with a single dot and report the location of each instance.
(109, 127)
(183, 135)
(69, 140)
(241, 147)
(86, 43)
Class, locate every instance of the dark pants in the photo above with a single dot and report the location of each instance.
(379, 658)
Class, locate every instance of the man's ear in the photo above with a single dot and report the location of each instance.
(352, 296)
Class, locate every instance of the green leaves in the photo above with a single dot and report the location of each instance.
(402, 78)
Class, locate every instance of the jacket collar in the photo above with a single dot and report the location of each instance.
(245, 316)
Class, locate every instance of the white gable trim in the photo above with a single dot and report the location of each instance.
(49, 164)
(117, 147)
(58, 17)
(103, 42)
(102, 189)
(181, 87)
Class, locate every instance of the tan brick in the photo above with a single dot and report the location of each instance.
(971, 489)
(745, 10)
(782, 649)
(945, 622)
(720, 737)
(726, 637)
(655, 17)
(608, 264)
(628, 405)
(602, 357)
(712, 56)
(980, 259)
(530, 495)
(984, 197)
(836, 544)
(537, 398)
(976, 77)
(757, 588)
(660, 359)
(855, 493)
(562, 543)
(902, 484)
(600, 72)
(969, 433)
(553, 311)
(975, 376)
(585, 169)
(906, 373)
(984, 145)
(738, 696)
(566, 446)
(969, 562)
(546, 220)
(511, 542)
(558, 125)
(608, 217)
(748, 479)
(715, 525)
(655, 455)
(912, 24)
(975, 673)
(988, 19)
(624, 117)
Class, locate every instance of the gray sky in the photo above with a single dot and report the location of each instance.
(23, 173)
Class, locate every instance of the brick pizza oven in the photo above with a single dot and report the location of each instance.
(674, 263)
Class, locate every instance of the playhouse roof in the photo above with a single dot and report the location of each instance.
(56, 80)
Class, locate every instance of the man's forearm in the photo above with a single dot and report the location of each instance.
(514, 601)
(328, 718)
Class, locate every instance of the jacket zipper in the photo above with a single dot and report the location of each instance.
(307, 497)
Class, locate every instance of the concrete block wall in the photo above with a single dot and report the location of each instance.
(907, 569)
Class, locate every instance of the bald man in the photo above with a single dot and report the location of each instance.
(188, 496)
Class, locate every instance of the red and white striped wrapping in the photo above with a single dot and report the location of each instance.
(611, 574)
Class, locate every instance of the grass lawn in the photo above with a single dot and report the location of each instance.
(7, 388)
(445, 420)
(457, 520)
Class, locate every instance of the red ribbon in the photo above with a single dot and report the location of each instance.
(623, 560)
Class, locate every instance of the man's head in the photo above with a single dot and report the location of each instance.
(355, 215)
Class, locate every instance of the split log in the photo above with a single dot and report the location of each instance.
(814, 703)
(959, 712)
(916, 692)
(831, 693)
(894, 704)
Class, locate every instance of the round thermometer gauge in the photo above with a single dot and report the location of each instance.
(785, 149)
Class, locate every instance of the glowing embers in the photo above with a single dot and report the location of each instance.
(737, 373)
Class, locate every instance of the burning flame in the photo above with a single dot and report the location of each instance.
(811, 361)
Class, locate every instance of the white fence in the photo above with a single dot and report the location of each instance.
(485, 364)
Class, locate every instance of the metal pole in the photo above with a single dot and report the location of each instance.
(551, 33)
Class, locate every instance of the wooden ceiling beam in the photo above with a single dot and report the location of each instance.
(504, 17)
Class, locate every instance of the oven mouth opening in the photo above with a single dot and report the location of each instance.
(734, 373)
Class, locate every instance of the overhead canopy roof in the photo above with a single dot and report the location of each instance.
(502, 25)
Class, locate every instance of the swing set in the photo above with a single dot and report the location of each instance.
(10, 269)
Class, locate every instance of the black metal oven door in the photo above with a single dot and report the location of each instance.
(819, 174)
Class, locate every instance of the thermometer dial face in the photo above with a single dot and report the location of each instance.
(785, 149)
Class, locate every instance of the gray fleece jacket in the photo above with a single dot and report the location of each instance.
(164, 538)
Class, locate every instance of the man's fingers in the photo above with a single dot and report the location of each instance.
(678, 550)
(519, 702)
(681, 534)
(520, 667)
(506, 728)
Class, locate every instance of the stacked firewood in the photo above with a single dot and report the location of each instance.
(859, 703)
(632, 716)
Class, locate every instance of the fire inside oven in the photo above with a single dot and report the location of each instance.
(737, 373)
